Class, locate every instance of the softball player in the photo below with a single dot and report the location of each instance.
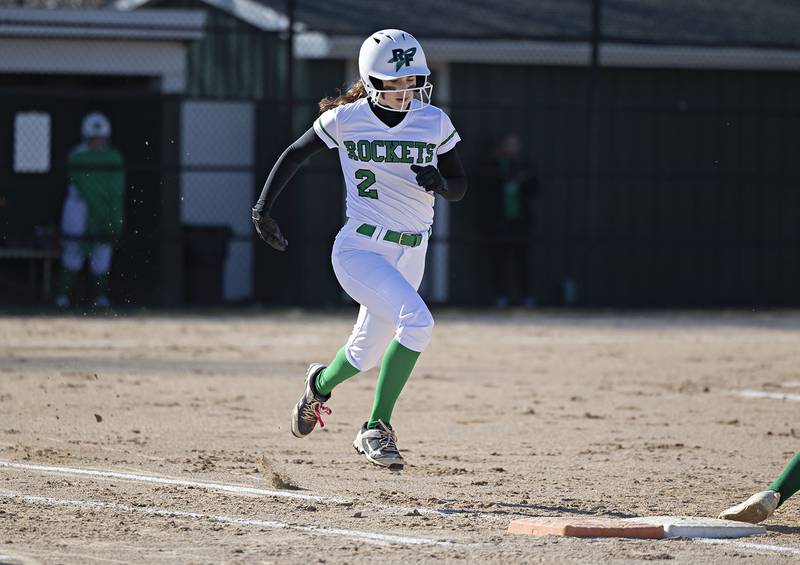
(761, 505)
(93, 213)
(396, 152)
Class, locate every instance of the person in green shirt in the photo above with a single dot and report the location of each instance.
(761, 505)
(512, 187)
(93, 214)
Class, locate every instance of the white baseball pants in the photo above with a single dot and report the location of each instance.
(73, 223)
(383, 277)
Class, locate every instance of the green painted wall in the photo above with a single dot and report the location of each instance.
(234, 59)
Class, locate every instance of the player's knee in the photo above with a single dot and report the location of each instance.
(364, 349)
(100, 261)
(363, 359)
(72, 258)
(425, 319)
(416, 327)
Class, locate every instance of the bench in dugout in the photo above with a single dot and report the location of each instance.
(40, 265)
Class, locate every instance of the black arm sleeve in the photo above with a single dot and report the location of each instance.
(452, 170)
(286, 166)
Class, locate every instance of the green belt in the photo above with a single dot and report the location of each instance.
(407, 239)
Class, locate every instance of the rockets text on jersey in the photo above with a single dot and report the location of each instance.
(376, 161)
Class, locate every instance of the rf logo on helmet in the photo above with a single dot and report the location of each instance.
(400, 57)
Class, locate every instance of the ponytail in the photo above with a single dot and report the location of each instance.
(353, 93)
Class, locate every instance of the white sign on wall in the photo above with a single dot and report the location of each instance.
(32, 142)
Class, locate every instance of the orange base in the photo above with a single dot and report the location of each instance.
(590, 527)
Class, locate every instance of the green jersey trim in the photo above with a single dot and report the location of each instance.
(447, 138)
(326, 132)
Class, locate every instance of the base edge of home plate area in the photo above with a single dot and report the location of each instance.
(648, 527)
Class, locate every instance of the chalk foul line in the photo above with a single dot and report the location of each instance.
(372, 537)
(753, 546)
(237, 489)
(751, 393)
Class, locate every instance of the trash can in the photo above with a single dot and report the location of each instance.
(205, 249)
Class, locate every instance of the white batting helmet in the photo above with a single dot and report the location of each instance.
(95, 125)
(391, 54)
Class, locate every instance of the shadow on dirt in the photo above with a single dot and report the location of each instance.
(784, 529)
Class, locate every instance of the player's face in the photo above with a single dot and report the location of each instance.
(397, 101)
(97, 142)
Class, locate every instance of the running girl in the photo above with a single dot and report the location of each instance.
(396, 152)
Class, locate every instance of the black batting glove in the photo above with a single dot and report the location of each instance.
(269, 230)
(429, 178)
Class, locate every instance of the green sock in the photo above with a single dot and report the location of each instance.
(334, 374)
(398, 362)
(100, 283)
(788, 482)
(66, 281)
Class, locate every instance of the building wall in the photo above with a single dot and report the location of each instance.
(217, 157)
(113, 58)
(310, 207)
(677, 188)
(234, 59)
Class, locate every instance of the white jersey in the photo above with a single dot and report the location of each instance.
(376, 161)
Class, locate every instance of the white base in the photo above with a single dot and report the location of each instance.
(693, 527)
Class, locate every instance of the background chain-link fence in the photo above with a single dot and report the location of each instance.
(652, 147)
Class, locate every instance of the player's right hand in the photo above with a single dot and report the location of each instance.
(430, 179)
(269, 230)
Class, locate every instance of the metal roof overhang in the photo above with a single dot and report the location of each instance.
(315, 45)
(153, 25)
(100, 42)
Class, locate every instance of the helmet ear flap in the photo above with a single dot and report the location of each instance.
(421, 81)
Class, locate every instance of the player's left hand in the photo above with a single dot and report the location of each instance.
(429, 178)
(268, 229)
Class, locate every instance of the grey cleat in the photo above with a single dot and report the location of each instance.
(379, 446)
(311, 406)
(755, 509)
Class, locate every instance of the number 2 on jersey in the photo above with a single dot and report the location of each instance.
(367, 179)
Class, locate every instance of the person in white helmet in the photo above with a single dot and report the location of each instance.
(93, 211)
(397, 152)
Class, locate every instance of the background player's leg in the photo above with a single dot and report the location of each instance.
(100, 267)
(71, 264)
(788, 482)
(73, 224)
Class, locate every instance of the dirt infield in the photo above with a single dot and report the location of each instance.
(166, 439)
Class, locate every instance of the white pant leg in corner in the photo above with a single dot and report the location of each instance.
(75, 214)
(73, 224)
(100, 261)
(72, 255)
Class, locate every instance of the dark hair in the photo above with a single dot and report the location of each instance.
(353, 93)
